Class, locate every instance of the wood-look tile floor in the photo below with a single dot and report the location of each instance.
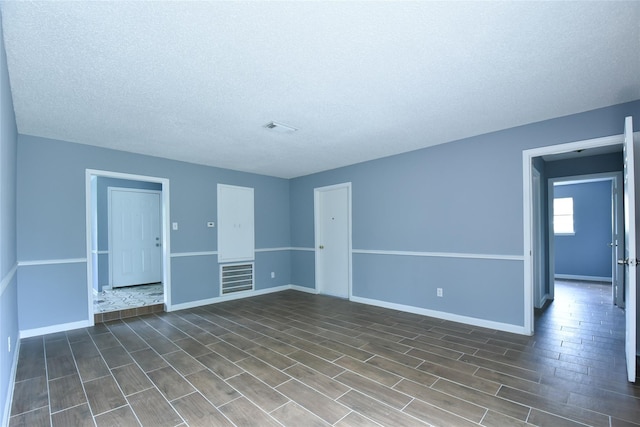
(297, 359)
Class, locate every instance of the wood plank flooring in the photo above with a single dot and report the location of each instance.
(296, 359)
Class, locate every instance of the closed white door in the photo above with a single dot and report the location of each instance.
(630, 250)
(333, 240)
(135, 241)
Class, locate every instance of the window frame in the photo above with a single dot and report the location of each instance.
(564, 215)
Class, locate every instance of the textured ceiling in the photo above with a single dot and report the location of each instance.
(196, 81)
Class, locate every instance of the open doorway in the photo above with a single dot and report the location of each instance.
(118, 290)
(586, 232)
(601, 155)
(572, 150)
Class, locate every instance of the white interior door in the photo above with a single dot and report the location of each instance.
(630, 261)
(333, 239)
(135, 240)
(617, 273)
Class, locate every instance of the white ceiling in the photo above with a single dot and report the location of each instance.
(196, 81)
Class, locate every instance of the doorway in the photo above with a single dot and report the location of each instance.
(590, 253)
(598, 146)
(332, 224)
(104, 303)
(571, 150)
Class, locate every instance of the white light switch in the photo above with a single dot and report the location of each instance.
(174, 226)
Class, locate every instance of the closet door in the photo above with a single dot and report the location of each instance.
(236, 240)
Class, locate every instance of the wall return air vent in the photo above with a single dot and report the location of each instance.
(236, 278)
(279, 127)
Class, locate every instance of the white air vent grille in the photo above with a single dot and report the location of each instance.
(236, 278)
(279, 127)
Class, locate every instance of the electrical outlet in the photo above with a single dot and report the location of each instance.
(439, 292)
(273, 274)
(174, 226)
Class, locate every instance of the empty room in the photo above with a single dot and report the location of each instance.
(325, 213)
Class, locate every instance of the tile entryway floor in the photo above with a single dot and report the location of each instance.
(128, 297)
(296, 359)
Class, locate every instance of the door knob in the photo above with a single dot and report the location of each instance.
(623, 261)
(321, 246)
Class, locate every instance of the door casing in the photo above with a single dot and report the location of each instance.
(528, 220)
(91, 175)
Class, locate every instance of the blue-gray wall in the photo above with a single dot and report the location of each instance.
(55, 293)
(102, 209)
(8, 258)
(602, 163)
(463, 197)
(587, 252)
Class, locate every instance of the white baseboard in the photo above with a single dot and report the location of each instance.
(506, 327)
(26, 333)
(12, 383)
(579, 277)
(303, 289)
(238, 295)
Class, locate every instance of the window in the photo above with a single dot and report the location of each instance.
(563, 215)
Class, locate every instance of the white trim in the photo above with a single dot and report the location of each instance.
(12, 383)
(528, 226)
(575, 145)
(444, 315)
(100, 252)
(186, 254)
(166, 230)
(441, 254)
(303, 289)
(230, 297)
(52, 262)
(302, 249)
(585, 278)
(8, 278)
(209, 253)
(27, 333)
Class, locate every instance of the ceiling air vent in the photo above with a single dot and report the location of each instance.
(279, 127)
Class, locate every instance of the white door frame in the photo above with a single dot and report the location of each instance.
(110, 236)
(316, 231)
(527, 194)
(540, 297)
(91, 237)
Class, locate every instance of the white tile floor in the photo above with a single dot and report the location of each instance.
(128, 297)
